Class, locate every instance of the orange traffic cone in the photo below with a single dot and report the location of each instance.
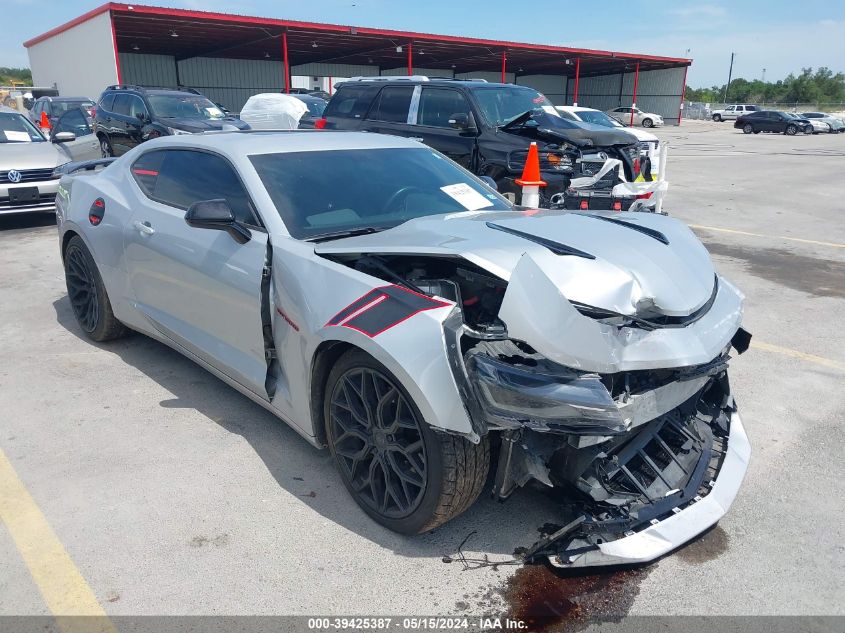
(45, 122)
(531, 181)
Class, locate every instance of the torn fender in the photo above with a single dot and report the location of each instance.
(535, 311)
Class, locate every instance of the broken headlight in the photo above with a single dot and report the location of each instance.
(544, 396)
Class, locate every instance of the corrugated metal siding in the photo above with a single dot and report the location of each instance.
(334, 70)
(491, 76)
(231, 82)
(429, 72)
(658, 91)
(148, 70)
(553, 86)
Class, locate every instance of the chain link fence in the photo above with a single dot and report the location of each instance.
(698, 110)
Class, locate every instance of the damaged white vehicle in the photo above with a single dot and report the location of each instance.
(388, 304)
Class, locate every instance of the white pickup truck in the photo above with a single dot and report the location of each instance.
(732, 112)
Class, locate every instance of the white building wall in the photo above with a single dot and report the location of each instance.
(79, 61)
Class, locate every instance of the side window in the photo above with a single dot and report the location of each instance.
(568, 115)
(73, 121)
(36, 109)
(145, 171)
(438, 105)
(350, 103)
(181, 177)
(107, 101)
(121, 104)
(136, 106)
(729, 109)
(392, 104)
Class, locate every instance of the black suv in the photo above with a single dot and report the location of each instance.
(486, 127)
(128, 115)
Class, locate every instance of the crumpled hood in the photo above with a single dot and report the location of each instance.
(31, 156)
(556, 129)
(630, 272)
(203, 125)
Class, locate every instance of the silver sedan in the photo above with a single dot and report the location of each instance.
(388, 304)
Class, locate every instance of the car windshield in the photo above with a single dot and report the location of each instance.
(501, 104)
(16, 128)
(315, 107)
(327, 194)
(184, 107)
(599, 118)
(63, 106)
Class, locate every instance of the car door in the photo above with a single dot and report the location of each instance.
(85, 146)
(199, 287)
(119, 116)
(444, 121)
(389, 112)
(135, 121)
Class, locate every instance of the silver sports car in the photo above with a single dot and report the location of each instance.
(387, 303)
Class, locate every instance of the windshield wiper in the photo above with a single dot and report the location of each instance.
(364, 230)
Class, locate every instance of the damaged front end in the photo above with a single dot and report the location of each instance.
(595, 371)
(625, 453)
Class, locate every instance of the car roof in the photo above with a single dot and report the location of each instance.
(247, 143)
(307, 97)
(452, 83)
(67, 98)
(566, 108)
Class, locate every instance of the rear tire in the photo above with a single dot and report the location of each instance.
(399, 471)
(88, 298)
(748, 128)
(791, 130)
(106, 150)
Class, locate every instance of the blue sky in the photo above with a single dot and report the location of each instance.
(780, 36)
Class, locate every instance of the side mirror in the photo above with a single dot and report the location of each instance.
(63, 137)
(217, 215)
(461, 121)
(142, 117)
(490, 182)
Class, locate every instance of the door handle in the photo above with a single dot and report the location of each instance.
(144, 228)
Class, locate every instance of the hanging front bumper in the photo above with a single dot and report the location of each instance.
(660, 537)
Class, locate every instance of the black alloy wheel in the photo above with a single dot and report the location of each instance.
(748, 128)
(81, 290)
(791, 130)
(378, 440)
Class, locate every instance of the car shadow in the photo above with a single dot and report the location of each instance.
(23, 221)
(308, 473)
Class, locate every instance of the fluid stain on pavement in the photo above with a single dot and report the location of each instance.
(550, 600)
(818, 277)
(706, 547)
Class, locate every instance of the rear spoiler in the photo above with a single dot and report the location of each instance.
(82, 165)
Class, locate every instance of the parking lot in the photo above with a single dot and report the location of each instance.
(173, 494)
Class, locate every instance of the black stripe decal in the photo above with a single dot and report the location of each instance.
(660, 237)
(382, 308)
(556, 247)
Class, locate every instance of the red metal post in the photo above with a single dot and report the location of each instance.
(410, 59)
(504, 65)
(286, 61)
(330, 85)
(683, 96)
(577, 77)
(634, 99)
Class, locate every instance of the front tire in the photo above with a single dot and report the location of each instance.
(791, 130)
(648, 123)
(88, 298)
(717, 118)
(748, 128)
(403, 475)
